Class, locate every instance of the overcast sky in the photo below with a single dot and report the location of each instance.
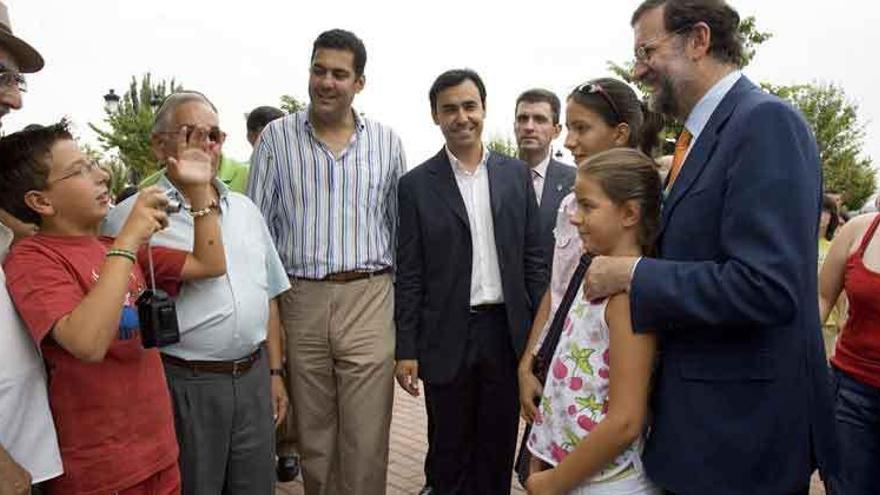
(245, 54)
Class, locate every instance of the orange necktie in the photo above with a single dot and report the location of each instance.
(681, 147)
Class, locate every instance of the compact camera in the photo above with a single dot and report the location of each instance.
(173, 205)
(158, 319)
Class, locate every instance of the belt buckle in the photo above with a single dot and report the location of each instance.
(237, 368)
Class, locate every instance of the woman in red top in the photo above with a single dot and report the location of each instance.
(853, 264)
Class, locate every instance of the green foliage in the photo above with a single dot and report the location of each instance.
(128, 135)
(839, 134)
(752, 38)
(290, 104)
(503, 146)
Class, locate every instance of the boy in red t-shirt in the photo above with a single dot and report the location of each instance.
(76, 293)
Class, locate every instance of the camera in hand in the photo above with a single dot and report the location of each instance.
(158, 319)
(173, 205)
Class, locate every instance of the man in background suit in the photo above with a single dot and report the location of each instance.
(470, 273)
(742, 402)
(536, 125)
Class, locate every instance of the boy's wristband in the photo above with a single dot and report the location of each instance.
(276, 372)
(123, 253)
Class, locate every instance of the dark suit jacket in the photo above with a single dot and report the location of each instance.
(557, 184)
(433, 283)
(741, 399)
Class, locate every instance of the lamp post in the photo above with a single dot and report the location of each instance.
(155, 102)
(111, 102)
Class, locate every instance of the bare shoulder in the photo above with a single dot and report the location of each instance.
(854, 230)
(617, 312)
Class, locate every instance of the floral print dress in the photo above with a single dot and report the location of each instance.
(576, 393)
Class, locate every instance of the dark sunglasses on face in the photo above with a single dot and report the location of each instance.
(214, 134)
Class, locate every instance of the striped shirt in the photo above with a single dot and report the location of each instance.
(327, 214)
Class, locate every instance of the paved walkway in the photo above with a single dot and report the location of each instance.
(408, 447)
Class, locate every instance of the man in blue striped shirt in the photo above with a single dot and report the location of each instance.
(325, 179)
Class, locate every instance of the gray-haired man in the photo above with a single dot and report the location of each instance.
(219, 374)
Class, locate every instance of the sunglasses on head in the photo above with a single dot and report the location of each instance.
(589, 88)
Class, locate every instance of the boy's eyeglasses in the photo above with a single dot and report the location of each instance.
(83, 170)
(214, 134)
(590, 88)
(12, 79)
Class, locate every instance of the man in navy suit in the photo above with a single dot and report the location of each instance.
(741, 402)
(470, 274)
(536, 125)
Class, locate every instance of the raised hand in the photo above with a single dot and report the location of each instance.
(191, 164)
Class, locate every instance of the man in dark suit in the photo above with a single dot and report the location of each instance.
(741, 402)
(470, 273)
(536, 125)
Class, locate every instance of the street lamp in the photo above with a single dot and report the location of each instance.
(155, 102)
(111, 102)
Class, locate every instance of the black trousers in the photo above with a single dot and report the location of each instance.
(477, 414)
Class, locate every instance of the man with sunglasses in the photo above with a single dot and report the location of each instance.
(230, 172)
(742, 403)
(28, 445)
(225, 373)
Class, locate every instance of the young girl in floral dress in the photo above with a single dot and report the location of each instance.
(587, 436)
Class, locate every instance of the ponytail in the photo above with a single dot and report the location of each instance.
(649, 134)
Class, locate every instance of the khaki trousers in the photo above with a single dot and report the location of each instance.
(340, 361)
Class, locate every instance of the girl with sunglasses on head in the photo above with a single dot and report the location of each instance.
(601, 114)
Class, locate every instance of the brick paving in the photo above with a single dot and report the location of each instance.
(408, 447)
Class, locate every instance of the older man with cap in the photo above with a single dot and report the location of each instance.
(28, 446)
(225, 373)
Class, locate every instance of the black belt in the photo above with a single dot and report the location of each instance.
(485, 308)
(235, 368)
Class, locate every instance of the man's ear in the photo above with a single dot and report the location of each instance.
(699, 40)
(557, 130)
(157, 144)
(40, 203)
(359, 83)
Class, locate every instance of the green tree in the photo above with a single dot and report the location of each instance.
(127, 134)
(503, 145)
(290, 104)
(840, 136)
